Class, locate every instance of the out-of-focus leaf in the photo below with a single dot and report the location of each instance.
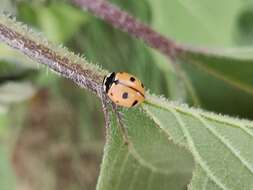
(27, 13)
(12, 92)
(7, 177)
(218, 83)
(7, 6)
(244, 29)
(14, 69)
(3, 110)
(88, 111)
(3, 121)
(49, 150)
(197, 22)
(15, 60)
(59, 21)
(223, 84)
(149, 160)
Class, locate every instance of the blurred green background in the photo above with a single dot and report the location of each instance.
(51, 132)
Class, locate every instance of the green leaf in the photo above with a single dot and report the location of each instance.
(228, 79)
(149, 160)
(244, 29)
(206, 23)
(7, 177)
(58, 21)
(14, 92)
(198, 21)
(7, 6)
(221, 146)
(14, 61)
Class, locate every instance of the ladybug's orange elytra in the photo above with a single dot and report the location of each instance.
(124, 89)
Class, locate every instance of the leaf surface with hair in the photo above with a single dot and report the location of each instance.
(221, 146)
(149, 160)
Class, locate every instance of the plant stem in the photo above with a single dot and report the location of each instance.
(127, 23)
(62, 62)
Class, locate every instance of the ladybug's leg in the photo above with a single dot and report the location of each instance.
(106, 113)
(122, 129)
(105, 105)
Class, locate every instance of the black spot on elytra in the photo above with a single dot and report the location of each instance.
(117, 101)
(142, 85)
(111, 94)
(132, 79)
(134, 103)
(125, 95)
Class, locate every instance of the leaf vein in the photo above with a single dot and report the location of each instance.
(121, 170)
(143, 162)
(196, 154)
(150, 179)
(205, 182)
(180, 141)
(131, 185)
(226, 143)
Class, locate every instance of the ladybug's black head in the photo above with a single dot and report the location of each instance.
(108, 81)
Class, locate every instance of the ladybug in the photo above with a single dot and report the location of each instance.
(124, 89)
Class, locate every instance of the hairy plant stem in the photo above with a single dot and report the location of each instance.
(60, 63)
(127, 23)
